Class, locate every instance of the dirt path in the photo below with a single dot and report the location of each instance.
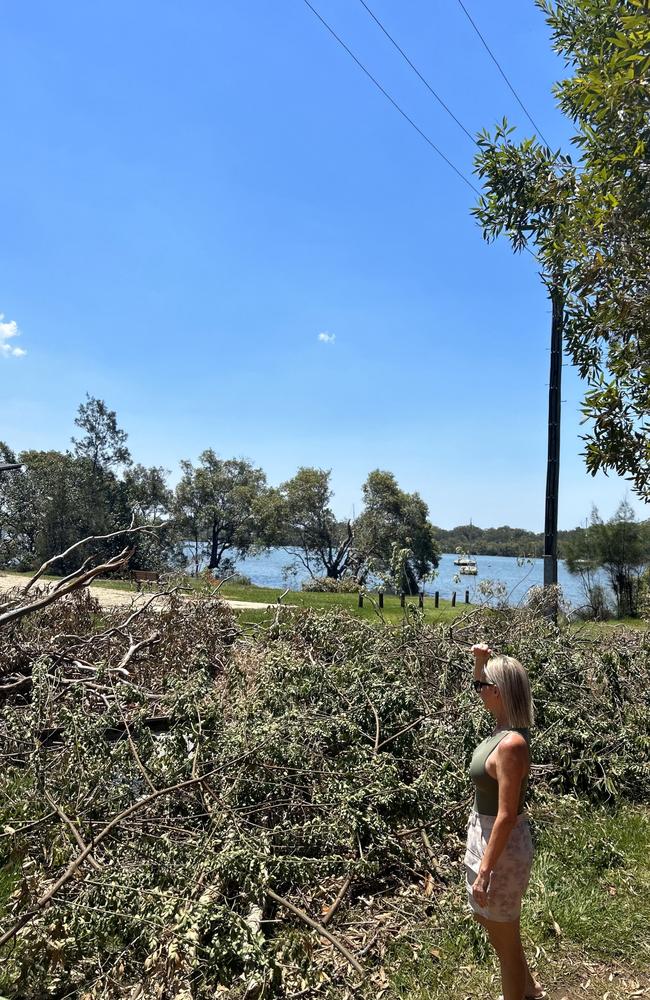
(109, 598)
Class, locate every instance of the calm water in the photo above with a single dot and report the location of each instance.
(267, 570)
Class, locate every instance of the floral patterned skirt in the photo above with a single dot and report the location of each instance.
(511, 873)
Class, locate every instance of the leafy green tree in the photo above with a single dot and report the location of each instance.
(104, 443)
(218, 504)
(308, 527)
(149, 495)
(54, 501)
(621, 548)
(589, 223)
(19, 521)
(393, 535)
(150, 501)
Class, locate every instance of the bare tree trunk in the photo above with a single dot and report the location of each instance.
(214, 548)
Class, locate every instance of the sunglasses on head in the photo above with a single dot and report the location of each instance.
(479, 685)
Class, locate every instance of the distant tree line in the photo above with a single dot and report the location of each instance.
(503, 541)
(222, 510)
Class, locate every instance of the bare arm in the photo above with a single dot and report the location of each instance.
(482, 653)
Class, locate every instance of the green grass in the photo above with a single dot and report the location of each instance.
(588, 902)
(9, 874)
(392, 612)
(593, 879)
(609, 626)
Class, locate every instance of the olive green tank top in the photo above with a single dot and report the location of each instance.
(486, 789)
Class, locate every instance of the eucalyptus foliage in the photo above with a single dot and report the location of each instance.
(588, 219)
(297, 766)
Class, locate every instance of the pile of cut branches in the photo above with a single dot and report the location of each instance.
(187, 810)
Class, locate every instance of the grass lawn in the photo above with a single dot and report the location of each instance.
(392, 611)
(603, 628)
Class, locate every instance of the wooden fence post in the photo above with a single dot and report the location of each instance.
(436, 599)
(453, 599)
(421, 600)
(467, 597)
(381, 598)
(360, 598)
(402, 600)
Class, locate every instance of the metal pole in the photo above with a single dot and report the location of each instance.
(553, 463)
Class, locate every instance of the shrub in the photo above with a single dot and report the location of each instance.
(328, 585)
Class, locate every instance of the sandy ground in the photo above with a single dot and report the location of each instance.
(109, 598)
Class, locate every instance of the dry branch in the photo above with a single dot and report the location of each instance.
(331, 910)
(76, 583)
(75, 833)
(146, 529)
(315, 926)
(70, 576)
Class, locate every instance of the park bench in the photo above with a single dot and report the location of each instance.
(140, 576)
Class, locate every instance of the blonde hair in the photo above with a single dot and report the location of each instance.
(514, 689)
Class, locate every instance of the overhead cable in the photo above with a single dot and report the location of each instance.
(417, 72)
(498, 66)
(392, 101)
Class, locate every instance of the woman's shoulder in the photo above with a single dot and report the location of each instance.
(514, 744)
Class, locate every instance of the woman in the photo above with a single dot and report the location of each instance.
(499, 847)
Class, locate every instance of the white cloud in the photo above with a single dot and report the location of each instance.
(9, 330)
(327, 338)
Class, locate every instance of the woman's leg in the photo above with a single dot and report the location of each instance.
(505, 938)
(533, 987)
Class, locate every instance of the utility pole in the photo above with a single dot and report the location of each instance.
(553, 462)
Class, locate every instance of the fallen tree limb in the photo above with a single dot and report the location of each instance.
(43, 900)
(135, 647)
(317, 927)
(435, 864)
(23, 681)
(10, 831)
(71, 576)
(75, 584)
(131, 530)
(134, 752)
(96, 637)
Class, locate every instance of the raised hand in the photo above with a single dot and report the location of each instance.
(482, 653)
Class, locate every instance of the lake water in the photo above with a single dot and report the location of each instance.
(266, 570)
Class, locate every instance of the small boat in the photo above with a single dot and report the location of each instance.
(464, 561)
(468, 569)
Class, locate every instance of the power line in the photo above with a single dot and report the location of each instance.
(396, 105)
(498, 66)
(392, 101)
(417, 72)
(437, 97)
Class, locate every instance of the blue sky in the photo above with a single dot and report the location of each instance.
(191, 194)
